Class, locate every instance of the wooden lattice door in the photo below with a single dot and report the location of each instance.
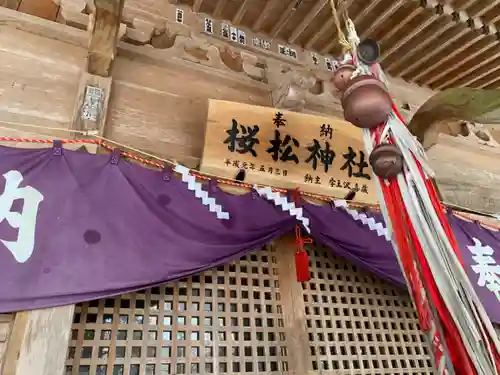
(225, 321)
(360, 324)
(242, 318)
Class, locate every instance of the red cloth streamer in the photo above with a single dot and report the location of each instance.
(301, 257)
(417, 269)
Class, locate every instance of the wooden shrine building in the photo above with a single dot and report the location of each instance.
(160, 66)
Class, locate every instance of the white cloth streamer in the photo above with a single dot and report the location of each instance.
(201, 194)
(282, 201)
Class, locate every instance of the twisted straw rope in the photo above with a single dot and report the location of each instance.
(160, 163)
(340, 33)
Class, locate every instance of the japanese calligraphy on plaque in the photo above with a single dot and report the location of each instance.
(321, 155)
(92, 103)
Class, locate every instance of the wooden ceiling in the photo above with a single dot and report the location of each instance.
(440, 44)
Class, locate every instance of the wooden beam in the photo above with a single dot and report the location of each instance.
(457, 71)
(285, 16)
(447, 58)
(317, 8)
(270, 5)
(219, 8)
(382, 18)
(358, 18)
(104, 30)
(240, 12)
(327, 26)
(482, 70)
(480, 9)
(409, 36)
(418, 47)
(432, 53)
(489, 84)
(465, 5)
(197, 5)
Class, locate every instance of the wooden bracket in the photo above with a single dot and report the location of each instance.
(104, 35)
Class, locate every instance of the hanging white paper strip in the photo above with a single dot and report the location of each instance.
(282, 201)
(201, 194)
(365, 219)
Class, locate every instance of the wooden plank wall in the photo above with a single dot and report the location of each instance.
(39, 80)
(164, 111)
(155, 108)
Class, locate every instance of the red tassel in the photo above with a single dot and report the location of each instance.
(302, 266)
(301, 258)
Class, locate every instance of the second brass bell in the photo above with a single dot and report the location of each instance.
(386, 160)
(366, 102)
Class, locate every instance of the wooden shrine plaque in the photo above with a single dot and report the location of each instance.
(321, 155)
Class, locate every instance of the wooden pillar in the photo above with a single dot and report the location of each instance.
(39, 342)
(294, 315)
(39, 339)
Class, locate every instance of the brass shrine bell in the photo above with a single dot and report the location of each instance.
(342, 75)
(386, 160)
(366, 102)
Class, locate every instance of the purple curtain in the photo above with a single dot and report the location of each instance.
(100, 226)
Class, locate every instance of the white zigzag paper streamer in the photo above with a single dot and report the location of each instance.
(282, 201)
(201, 194)
(365, 219)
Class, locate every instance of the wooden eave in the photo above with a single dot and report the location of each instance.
(439, 44)
(434, 43)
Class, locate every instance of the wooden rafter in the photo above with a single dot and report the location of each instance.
(104, 33)
(412, 34)
(432, 53)
(327, 26)
(489, 83)
(482, 9)
(241, 12)
(197, 5)
(297, 32)
(448, 59)
(418, 48)
(383, 18)
(270, 5)
(481, 69)
(439, 80)
(466, 5)
(285, 16)
(219, 8)
(495, 19)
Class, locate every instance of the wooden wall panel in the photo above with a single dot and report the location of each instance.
(164, 111)
(38, 79)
